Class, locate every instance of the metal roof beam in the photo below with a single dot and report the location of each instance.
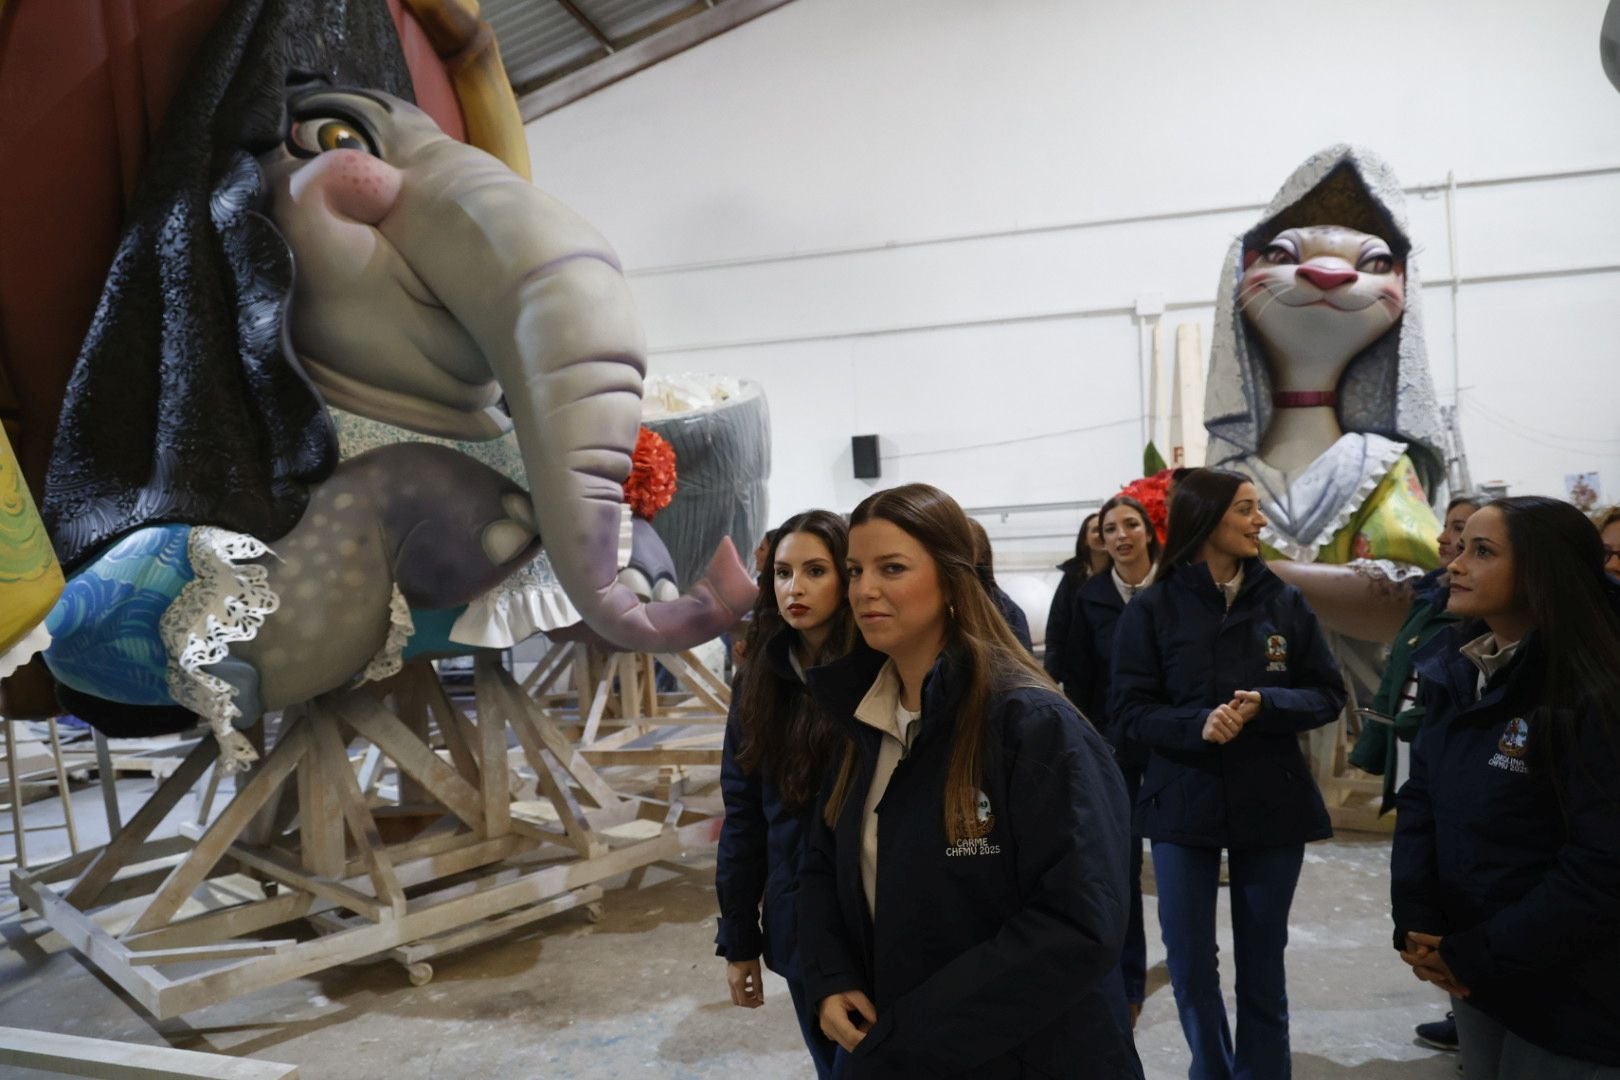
(585, 21)
(642, 54)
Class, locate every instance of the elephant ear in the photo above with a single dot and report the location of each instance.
(183, 404)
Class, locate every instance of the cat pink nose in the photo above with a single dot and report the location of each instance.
(1325, 277)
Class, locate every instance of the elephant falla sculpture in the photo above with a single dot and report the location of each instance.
(429, 288)
(1319, 389)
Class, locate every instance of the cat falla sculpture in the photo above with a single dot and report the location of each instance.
(1319, 389)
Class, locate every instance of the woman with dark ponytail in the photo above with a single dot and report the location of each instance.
(1218, 667)
(1506, 866)
(778, 746)
(977, 933)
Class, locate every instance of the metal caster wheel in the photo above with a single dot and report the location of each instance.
(420, 974)
(593, 912)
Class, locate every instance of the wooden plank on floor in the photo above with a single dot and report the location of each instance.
(75, 1055)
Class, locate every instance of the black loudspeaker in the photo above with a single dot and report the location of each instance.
(865, 450)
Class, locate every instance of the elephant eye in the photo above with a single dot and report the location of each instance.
(317, 134)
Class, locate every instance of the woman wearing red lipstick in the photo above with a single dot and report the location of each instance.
(778, 744)
(963, 894)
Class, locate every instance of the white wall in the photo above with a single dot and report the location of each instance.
(886, 211)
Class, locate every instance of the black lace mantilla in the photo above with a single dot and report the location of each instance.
(184, 404)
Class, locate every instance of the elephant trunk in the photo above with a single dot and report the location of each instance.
(562, 339)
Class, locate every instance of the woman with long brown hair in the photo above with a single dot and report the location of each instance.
(1218, 667)
(1133, 548)
(778, 745)
(1505, 873)
(977, 931)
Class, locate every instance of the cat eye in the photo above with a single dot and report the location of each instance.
(1376, 264)
(1278, 255)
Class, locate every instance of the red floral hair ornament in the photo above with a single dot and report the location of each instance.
(651, 485)
(1150, 491)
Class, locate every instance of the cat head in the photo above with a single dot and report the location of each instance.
(1316, 295)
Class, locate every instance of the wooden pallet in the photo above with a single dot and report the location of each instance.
(305, 830)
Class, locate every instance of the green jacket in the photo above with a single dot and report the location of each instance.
(1374, 751)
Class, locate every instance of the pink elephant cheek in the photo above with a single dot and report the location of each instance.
(353, 183)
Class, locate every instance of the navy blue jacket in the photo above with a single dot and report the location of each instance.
(988, 958)
(1094, 616)
(1013, 615)
(1178, 653)
(1063, 641)
(761, 842)
(1524, 894)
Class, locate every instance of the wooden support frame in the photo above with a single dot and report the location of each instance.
(622, 718)
(200, 932)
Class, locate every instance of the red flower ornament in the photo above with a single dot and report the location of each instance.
(651, 484)
(1150, 491)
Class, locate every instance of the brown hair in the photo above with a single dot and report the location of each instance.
(784, 732)
(981, 647)
(1141, 512)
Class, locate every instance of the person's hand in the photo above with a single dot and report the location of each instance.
(1247, 704)
(1422, 953)
(846, 1018)
(747, 988)
(1222, 725)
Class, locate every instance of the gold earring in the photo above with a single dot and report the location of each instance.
(952, 609)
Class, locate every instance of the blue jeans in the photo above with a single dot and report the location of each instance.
(821, 1048)
(1263, 883)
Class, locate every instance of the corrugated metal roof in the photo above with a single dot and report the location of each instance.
(537, 38)
(622, 19)
(543, 41)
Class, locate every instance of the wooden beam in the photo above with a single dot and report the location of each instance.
(271, 865)
(362, 826)
(413, 757)
(229, 950)
(653, 755)
(320, 824)
(491, 746)
(226, 828)
(76, 1055)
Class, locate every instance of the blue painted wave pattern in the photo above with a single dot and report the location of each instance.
(104, 629)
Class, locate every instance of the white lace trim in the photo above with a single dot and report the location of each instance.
(529, 601)
(226, 602)
(391, 657)
(32, 643)
(1387, 568)
(1378, 466)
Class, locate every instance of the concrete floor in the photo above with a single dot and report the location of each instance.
(641, 993)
